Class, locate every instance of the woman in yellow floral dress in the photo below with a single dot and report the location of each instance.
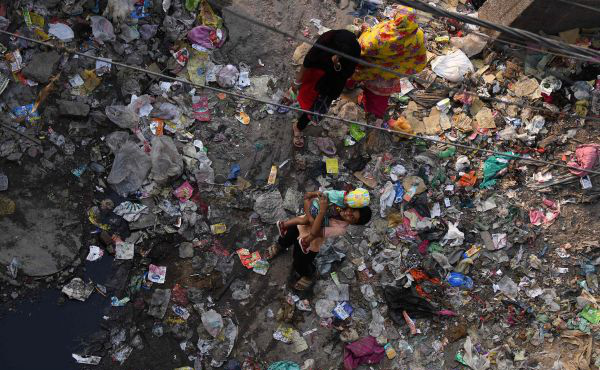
(397, 44)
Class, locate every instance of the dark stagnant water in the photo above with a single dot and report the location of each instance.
(41, 334)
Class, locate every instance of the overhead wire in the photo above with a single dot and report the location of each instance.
(398, 74)
(585, 6)
(508, 41)
(243, 96)
(516, 32)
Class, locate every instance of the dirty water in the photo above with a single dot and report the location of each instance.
(41, 333)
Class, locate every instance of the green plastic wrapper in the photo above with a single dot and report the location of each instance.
(492, 166)
(191, 5)
(284, 365)
(357, 132)
(591, 314)
(459, 358)
(448, 152)
(435, 247)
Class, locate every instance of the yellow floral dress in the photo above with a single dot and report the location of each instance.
(397, 44)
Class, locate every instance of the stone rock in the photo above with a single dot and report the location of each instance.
(41, 66)
(159, 303)
(292, 200)
(73, 108)
(269, 207)
(186, 250)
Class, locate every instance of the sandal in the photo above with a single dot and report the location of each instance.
(272, 251)
(303, 284)
(281, 228)
(304, 246)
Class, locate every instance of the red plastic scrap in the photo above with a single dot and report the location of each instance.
(179, 295)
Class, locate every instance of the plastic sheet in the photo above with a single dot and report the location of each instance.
(129, 169)
(166, 161)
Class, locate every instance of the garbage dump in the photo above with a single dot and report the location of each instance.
(447, 221)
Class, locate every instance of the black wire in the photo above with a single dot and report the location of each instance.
(589, 7)
(401, 75)
(521, 34)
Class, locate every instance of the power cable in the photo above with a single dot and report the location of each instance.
(585, 6)
(508, 41)
(243, 96)
(519, 33)
(401, 75)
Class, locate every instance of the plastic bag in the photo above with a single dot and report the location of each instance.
(213, 322)
(228, 76)
(207, 37)
(129, 170)
(115, 140)
(102, 29)
(147, 31)
(128, 33)
(453, 67)
(166, 161)
(122, 116)
(471, 44)
(204, 173)
(61, 31)
(167, 111)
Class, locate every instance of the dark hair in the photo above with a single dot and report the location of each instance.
(365, 215)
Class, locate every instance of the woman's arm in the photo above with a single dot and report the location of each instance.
(298, 79)
(316, 229)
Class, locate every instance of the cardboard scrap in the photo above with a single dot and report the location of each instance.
(484, 118)
(527, 87)
(569, 36)
(432, 122)
(462, 122)
(416, 124)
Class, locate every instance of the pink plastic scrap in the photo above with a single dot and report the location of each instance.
(586, 158)
(184, 192)
(363, 351)
(207, 37)
(546, 216)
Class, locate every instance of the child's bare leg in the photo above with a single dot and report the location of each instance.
(299, 220)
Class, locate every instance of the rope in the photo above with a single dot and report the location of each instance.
(243, 96)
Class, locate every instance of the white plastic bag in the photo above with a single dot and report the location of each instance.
(61, 31)
(228, 76)
(102, 29)
(453, 67)
(471, 44)
(213, 322)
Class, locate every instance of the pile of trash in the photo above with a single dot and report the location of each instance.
(464, 262)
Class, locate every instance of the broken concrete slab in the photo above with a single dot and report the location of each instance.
(73, 108)
(269, 207)
(41, 66)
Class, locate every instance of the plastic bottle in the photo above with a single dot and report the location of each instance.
(459, 280)
(596, 97)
